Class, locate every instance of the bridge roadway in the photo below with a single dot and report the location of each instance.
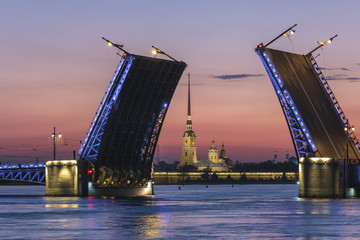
(313, 103)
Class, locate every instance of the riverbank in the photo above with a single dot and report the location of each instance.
(164, 178)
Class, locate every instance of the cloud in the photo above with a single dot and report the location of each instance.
(342, 77)
(353, 79)
(231, 77)
(336, 77)
(331, 69)
(192, 84)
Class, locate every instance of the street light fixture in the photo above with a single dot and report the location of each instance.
(56, 138)
(156, 50)
(118, 46)
(288, 33)
(285, 33)
(322, 44)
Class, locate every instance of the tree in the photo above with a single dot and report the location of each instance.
(229, 178)
(206, 173)
(183, 173)
(214, 177)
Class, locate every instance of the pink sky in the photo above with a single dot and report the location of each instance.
(54, 69)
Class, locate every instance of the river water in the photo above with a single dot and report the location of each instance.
(194, 212)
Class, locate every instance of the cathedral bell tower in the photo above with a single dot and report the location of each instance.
(188, 154)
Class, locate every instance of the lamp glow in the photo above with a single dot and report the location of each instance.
(109, 44)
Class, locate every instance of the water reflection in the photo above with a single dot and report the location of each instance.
(61, 202)
(63, 205)
(195, 212)
(314, 206)
(150, 226)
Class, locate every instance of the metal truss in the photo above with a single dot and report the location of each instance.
(100, 106)
(90, 147)
(152, 135)
(334, 101)
(23, 173)
(303, 142)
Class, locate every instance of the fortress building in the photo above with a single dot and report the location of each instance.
(188, 153)
(214, 162)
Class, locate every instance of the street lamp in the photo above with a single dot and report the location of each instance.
(56, 138)
(285, 33)
(322, 44)
(347, 129)
(118, 46)
(155, 51)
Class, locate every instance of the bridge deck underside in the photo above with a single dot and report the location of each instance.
(313, 104)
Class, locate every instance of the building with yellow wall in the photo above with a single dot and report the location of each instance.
(188, 153)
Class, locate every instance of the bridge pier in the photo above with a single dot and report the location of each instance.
(134, 191)
(66, 178)
(327, 178)
(71, 178)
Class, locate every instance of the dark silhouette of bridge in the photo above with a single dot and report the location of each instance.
(121, 140)
(324, 140)
(313, 114)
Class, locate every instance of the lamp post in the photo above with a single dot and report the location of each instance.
(55, 136)
(347, 129)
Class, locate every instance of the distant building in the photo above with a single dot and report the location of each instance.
(286, 157)
(224, 157)
(293, 160)
(213, 162)
(275, 160)
(213, 154)
(188, 153)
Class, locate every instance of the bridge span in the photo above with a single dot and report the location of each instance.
(23, 173)
(323, 138)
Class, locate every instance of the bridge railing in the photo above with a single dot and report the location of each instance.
(335, 102)
(24, 172)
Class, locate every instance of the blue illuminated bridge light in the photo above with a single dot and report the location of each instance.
(290, 110)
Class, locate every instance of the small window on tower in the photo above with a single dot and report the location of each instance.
(186, 141)
(185, 154)
(193, 153)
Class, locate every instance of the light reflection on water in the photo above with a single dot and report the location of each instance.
(221, 211)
